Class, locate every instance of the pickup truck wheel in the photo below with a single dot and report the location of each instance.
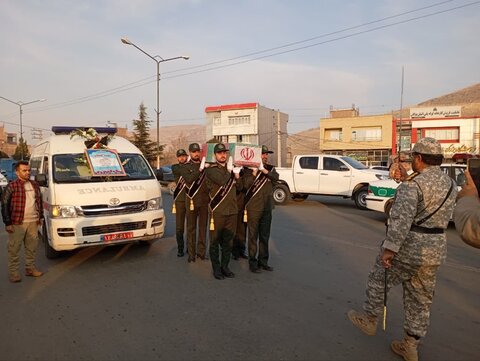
(281, 194)
(50, 253)
(359, 197)
(299, 197)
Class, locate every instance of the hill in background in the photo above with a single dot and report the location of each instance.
(469, 98)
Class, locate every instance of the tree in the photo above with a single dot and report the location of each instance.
(141, 135)
(22, 148)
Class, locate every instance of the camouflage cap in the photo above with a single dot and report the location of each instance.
(194, 147)
(181, 152)
(427, 145)
(220, 147)
(265, 150)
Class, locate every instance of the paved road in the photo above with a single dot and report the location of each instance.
(135, 302)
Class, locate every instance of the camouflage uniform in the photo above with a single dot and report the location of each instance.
(420, 249)
(467, 220)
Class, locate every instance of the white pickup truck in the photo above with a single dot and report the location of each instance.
(325, 174)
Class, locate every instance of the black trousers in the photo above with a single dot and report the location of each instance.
(240, 236)
(221, 240)
(259, 223)
(180, 224)
(197, 242)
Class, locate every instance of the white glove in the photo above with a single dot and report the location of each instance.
(261, 167)
(230, 164)
(202, 164)
(237, 170)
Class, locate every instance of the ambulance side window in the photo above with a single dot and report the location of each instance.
(45, 166)
(35, 164)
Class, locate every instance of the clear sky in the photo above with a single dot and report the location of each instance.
(70, 53)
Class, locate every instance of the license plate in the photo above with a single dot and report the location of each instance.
(116, 236)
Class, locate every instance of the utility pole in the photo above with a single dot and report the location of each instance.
(279, 141)
(400, 131)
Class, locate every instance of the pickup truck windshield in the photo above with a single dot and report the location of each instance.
(354, 163)
(73, 168)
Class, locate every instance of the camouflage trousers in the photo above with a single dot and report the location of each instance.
(418, 284)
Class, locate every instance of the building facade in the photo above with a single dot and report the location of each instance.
(8, 142)
(456, 133)
(365, 138)
(249, 123)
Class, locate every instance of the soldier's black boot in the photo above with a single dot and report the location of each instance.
(265, 267)
(227, 273)
(217, 273)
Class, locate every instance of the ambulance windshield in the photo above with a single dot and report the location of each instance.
(74, 168)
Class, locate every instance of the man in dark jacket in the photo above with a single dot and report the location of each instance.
(22, 212)
(223, 211)
(196, 203)
(179, 201)
(259, 204)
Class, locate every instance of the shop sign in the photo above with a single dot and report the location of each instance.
(436, 112)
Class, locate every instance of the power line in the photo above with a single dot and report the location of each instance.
(326, 41)
(145, 81)
(310, 39)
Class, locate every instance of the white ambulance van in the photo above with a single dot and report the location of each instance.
(83, 210)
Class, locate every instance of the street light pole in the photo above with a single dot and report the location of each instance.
(21, 104)
(158, 59)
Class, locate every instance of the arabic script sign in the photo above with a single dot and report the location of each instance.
(436, 112)
(463, 148)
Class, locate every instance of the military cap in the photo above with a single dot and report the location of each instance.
(427, 145)
(265, 150)
(220, 147)
(181, 152)
(194, 147)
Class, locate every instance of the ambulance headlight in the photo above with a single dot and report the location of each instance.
(154, 204)
(382, 176)
(64, 212)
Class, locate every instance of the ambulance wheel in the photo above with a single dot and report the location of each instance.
(50, 253)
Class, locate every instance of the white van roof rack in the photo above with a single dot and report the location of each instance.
(69, 129)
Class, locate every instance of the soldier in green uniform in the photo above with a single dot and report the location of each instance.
(196, 203)
(223, 210)
(179, 201)
(259, 204)
(414, 248)
(239, 242)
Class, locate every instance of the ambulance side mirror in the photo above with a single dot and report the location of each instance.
(41, 179)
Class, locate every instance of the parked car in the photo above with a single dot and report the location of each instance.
(3, 181)
(166, 178)
(7, 168)
(381, 193)
(325, 174)
(379, 167)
